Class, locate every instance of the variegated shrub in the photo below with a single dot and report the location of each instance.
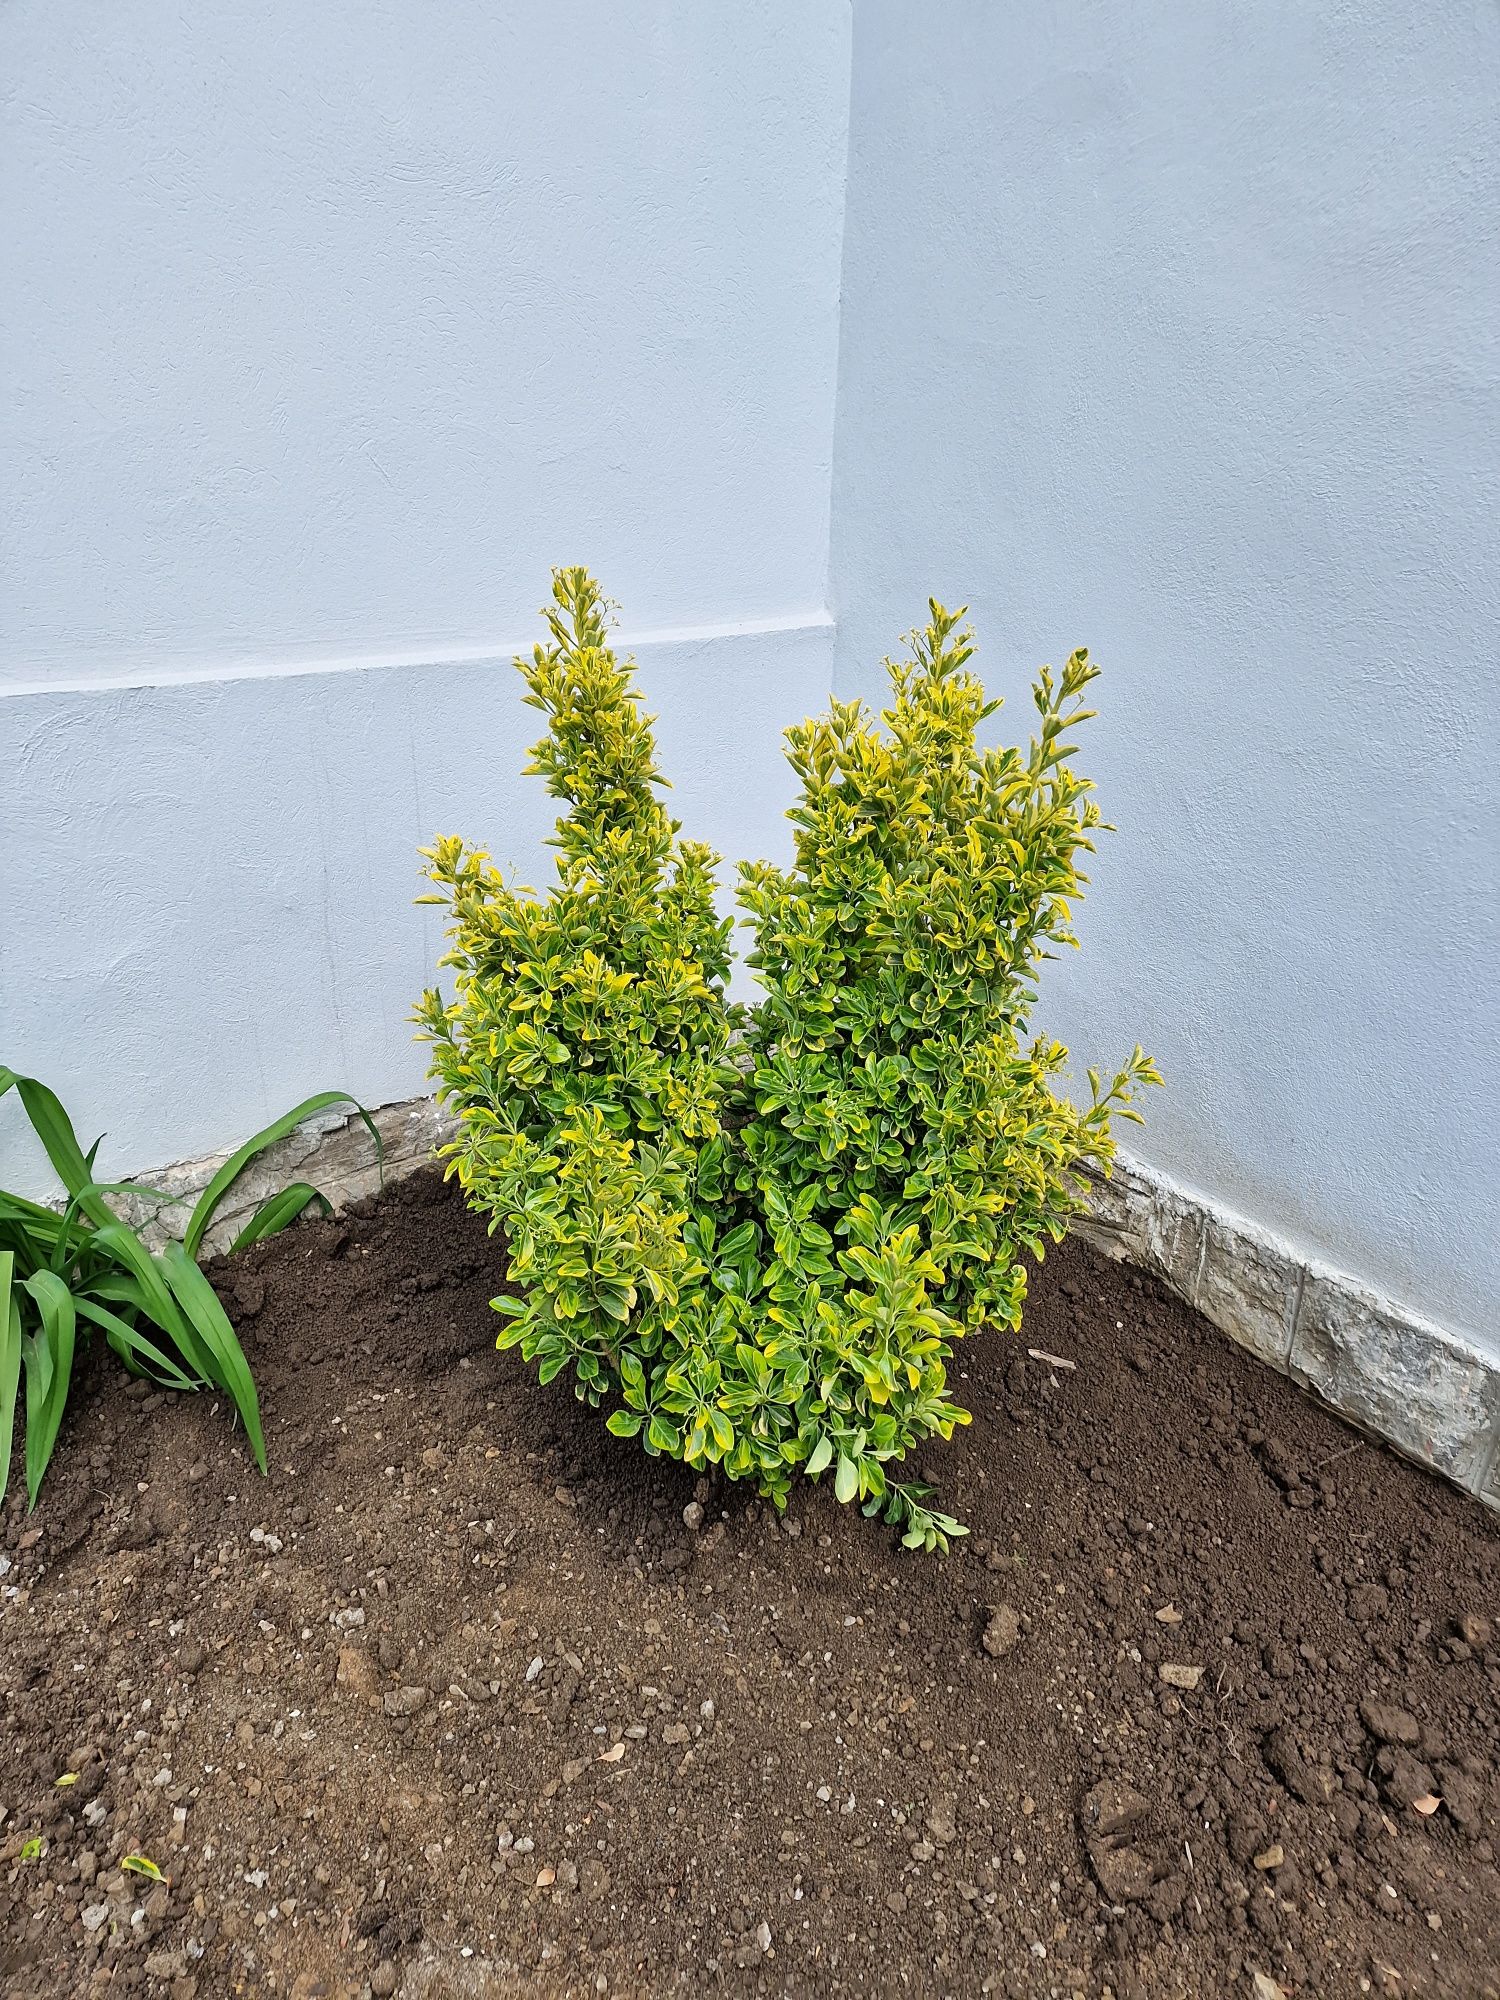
(760, 1246)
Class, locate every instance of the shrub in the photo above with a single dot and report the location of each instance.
(764, 1250)
(587, 1049)
(66, 1274)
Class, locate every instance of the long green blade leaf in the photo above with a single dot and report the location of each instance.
(235, 1165)
(77, 1237)
(200, 1304)
(152, 1295)
(141, 1356)
(49, 1373)
(277, 1211)
(10, 1362)
(54, 1128)
(36, 1361)
(120, 1289)
(30, 1211)
(29, 1242)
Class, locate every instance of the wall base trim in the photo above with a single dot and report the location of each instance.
(1414, 1385)
(1400, 1378)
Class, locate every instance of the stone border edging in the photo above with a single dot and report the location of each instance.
(333, 1150)
(1401, 1378)
(1412, 1384)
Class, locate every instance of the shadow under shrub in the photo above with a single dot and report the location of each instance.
(757, 1232)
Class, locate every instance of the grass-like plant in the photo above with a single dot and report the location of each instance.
(81, 1270)
(763, 1255)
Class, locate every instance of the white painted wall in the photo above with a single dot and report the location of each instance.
(1167, 329)
(335, 327)
(1172, 331)
(327, 332)
(232, 864)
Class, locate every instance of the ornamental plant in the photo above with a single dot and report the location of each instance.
(758, 1232)
(80, 1271)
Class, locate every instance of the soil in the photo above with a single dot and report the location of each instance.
(470, 1698)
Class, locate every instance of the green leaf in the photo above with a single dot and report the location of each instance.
(145, 1287)
(845, 1479)
(10, 1362)
(821, 1456)
(229, 1368)
(54, 1128)
(18, 1212)
(49, 1372)
(279, 1128)
(625, 1423)
(140, 1355)
(664, 1435)
(723, 1430)
(737, 1242)
(74, 1237)
(277, 1212)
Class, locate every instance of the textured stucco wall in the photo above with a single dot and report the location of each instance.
(1168, 330)
(336, 327)
(327, 331)
(1172, 331)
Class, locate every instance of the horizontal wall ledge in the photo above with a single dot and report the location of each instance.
(1399, 1378)
(1428, 1392)
(236, 862)
(151, 670)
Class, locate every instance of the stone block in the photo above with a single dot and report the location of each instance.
(333, 1150)
(1114, 1221)
(1138, 1219)
(1422, 1389)
(1247, 1285)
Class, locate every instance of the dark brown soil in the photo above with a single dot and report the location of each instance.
(457, 1703)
